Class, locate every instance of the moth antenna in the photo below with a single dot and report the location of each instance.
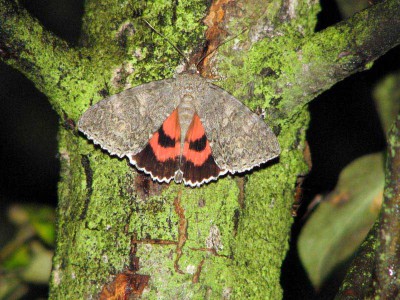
(216, 48)
(169, 42)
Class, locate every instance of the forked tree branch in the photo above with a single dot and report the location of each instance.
(323, 59)
(315, 63)
(37, 53)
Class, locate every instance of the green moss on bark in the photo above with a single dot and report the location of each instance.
(246, 258)
(234, 237)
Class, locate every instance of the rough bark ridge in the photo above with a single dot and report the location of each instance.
(227, 239)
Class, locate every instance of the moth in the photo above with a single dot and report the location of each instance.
(184, 128)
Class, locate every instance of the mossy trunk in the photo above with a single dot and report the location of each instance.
(225, 239)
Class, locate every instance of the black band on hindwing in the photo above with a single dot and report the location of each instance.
(199, 144)
(164, 140)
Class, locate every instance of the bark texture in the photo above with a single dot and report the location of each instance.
(387, 265)
(224, 240)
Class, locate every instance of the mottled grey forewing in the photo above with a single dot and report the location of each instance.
(239, 139)
(123, 123)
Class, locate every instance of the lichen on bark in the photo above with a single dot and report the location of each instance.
(245, 243)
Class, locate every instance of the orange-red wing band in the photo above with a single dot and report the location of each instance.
(160, 156)
(198, 163)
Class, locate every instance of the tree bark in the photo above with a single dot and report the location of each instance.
(226, 239)
(386, 283)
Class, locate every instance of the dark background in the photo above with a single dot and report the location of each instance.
(344, 125)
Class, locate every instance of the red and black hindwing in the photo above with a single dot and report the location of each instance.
(198, 164)
(160, 157)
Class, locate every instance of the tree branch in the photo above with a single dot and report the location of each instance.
(38, 54)
(387, 263)
(358, 281)
(337, 52)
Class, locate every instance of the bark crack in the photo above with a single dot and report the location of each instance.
(85, 162)
(196, 275)
(182, 231)
(127, 284)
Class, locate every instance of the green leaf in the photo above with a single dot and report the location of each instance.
(341, 222)
(45, 231)
(39, 268)
(41, 218)
(387, 99)
(43, 221)
(19, 258)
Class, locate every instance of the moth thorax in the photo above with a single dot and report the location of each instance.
(186, 111)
